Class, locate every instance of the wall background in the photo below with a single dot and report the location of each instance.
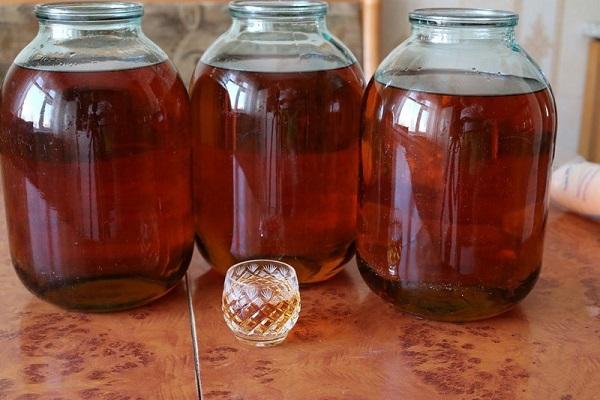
(552, 32)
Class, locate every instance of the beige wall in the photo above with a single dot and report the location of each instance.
(552, 31)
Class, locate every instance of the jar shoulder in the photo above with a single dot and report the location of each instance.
(484, 65)
(278, 51)
(89, 52)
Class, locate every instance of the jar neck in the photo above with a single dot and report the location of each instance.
(460, 34)
(64, 30)
(312, 24)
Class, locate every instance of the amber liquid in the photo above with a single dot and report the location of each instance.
(276, 167)
(97, 183)
(453, 198)
(265, 319)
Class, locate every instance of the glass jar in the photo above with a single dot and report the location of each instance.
(458, 132)
(96, 160)
(275, 126)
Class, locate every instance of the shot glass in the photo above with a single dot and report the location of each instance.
(261, 301)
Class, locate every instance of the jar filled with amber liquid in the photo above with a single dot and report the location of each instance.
(275, 120)
(96, 160)
(458, 132)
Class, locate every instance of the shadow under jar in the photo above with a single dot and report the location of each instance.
(275, 116)
(458, 136)
(96, 160)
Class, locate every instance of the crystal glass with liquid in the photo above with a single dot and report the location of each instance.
(96, 154)
(458, 132)
(261, 301)
(275, 119)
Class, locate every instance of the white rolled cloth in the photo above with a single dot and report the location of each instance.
(576, 187)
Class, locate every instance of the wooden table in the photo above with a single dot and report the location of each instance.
(348, 344)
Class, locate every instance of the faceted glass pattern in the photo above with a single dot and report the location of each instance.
(261, 301)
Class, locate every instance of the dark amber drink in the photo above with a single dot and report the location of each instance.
(275, 166)
(97, 186)
(453, 198)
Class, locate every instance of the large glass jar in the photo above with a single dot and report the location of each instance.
(458, 136)
(275, 120)
(96, 160)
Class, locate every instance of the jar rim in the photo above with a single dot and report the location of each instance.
(280, 8)
(463, 17)
(88, 11)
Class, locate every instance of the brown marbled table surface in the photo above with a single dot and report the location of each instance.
(348, 344)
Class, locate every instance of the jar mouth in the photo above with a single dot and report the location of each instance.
(275, 9)
(463, 17)
(88, 11)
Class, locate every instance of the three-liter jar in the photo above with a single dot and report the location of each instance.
(96, 160)
(458, 132)
(275, 126)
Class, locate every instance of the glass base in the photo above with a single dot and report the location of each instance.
(309, 270)
(260, 342)
(105, 294)
(445, 302)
